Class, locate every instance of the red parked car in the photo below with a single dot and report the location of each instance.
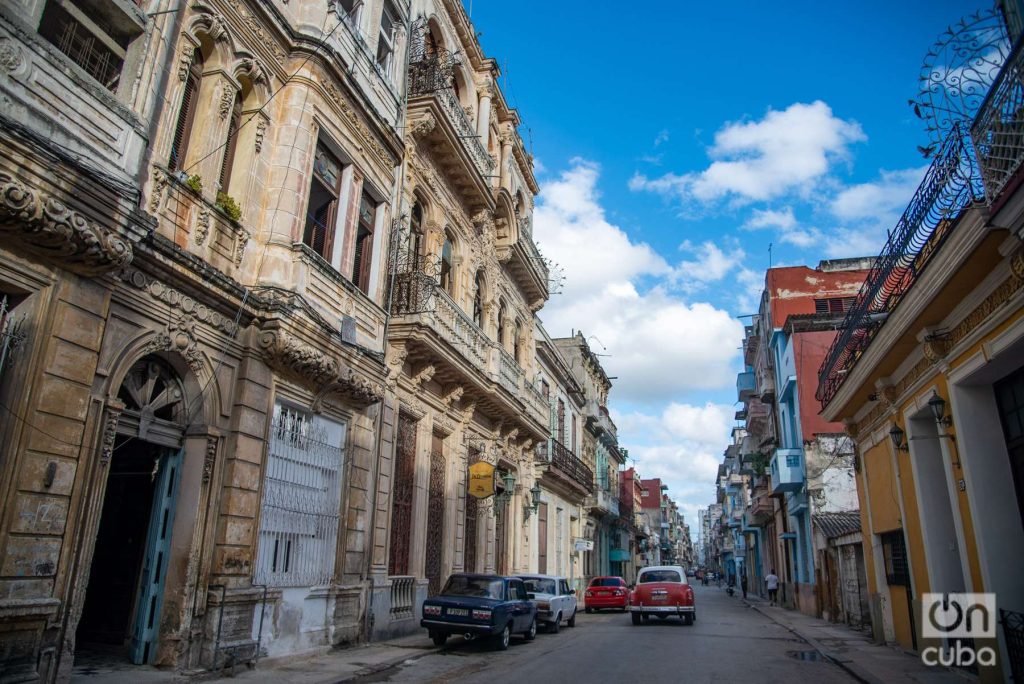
(661, 591)
(606, 592)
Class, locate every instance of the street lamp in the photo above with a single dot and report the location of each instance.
(509, 480)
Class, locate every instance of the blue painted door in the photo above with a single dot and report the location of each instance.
(146, 627)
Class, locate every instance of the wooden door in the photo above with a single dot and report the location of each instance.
(542, 539)
(435, 517)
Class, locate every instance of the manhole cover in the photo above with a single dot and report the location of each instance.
(804, 655)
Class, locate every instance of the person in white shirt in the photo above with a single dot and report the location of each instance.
(771, 581)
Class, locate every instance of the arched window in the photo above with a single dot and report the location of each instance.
(478, 301)
(501, 325)
(447, 278)
(231, 144)
(186, 114)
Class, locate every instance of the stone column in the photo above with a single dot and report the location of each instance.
(503, 161)
(483, 119)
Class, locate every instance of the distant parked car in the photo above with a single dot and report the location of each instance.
(661, 591)
(555, 600)
(606, 592)
(480, 605)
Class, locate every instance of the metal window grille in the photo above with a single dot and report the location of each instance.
(894, 552)
(11, 332)
(301, 500)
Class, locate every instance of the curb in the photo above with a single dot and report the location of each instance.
(847, 665)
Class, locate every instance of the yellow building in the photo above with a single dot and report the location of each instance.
(928, 375)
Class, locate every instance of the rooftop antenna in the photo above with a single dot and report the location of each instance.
(769, 255)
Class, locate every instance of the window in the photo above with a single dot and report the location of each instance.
(561, 422)
(89, 38)
(229, 146)
(416, 234)
(478, 301)
(364, 243)
(517, 343)
(894, 553)
(186, 114)
(501, 325)
(322, 214)
(386, 41)
(301, 500)
(351, 11)
(574, 433)
(545, 389)
(447, 281)
(834, 305)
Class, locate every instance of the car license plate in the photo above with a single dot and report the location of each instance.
(458, 611)
(604, 593)
(659, 599)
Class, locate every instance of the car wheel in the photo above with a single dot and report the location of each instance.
(439, 638)
(636, 618)
(588, 610)
(572, 621)
(687, 619)
(531, 633)
(501, 641)
(557, 624)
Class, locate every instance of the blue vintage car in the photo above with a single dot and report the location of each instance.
(480, 605)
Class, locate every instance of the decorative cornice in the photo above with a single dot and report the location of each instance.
(46, 227)
(453, 393)
(210, 460)
(324, 373)
(424, 374)
(179, 336)
(368, 138)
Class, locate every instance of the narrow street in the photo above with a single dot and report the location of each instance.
(606, 647)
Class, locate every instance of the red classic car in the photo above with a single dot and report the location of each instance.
(606, 592)
(661, 591)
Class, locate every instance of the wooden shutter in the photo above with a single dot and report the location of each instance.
(542, 539)
(186, 115)
(229, 147)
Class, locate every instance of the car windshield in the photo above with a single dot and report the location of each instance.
(605, 582)
(540, 586)
(480, 587)
(660, 576)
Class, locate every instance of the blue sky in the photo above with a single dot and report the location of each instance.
(674, 142)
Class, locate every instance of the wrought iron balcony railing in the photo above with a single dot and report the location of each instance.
(998, 128)
(951, 185)
(431, 76)
(566, 462)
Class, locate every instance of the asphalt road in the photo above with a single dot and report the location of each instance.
(728, 643)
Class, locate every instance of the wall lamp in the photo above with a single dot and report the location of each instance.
(530, 508)
(509, 480)
(897, 435)
(938, 406)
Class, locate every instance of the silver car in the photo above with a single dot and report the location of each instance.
(555, 600)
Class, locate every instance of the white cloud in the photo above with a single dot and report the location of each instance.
(710, 265)
(788, 151)
(662, 137)
(769, 218)
(661, 345)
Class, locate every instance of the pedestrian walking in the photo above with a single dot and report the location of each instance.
(771, 581)
(743, 584)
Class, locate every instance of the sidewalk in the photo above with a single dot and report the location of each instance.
(854, 651)
(337, 666)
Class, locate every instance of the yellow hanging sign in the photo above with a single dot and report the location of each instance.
(481, 480)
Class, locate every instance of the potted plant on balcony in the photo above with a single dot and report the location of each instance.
(194, 183)
(229, 206)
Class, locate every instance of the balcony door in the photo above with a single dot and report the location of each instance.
(542, 539)
(435, 517)
(1010, 400)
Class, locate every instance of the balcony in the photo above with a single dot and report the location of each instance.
(526, 264)
(762, 509)
(536, 404)
(745, 385)
(998, 128)
(565, 465)
(734, 481)
(603, 503)
(436, 116)
(951, 185)
(787, 470)
(510, 375)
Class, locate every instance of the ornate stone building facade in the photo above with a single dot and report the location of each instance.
(195, 263)
(466, 281)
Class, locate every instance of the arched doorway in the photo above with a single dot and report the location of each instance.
(121, 611)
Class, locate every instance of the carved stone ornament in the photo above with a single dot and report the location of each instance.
(322, 372)
(210, 459)
(256, 26)
(261, 132)
(367, 137)
(935, 349)
(179, 301)
(179, 336)
(467, 412)
(202, 225)
(887, 395)
(453, 394)
(241, 240)
(1017, 264)
(423, 126)
(227, 99)
(156, 193)
(48, 228)
(111, 415)
(396, 360)
(255, 69)
(424, 375)
(511, 436)
(188, 55)
(11, 57)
